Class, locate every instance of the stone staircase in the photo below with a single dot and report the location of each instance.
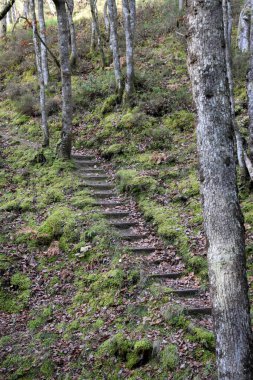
(135, 237)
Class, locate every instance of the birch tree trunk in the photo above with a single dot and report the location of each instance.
(244, 28)
(37, 50)
(93, 37)
(51, 7)
(14, 13)
(106, 18)
(250, 83)
(95, 25)
(64, 148)
(128, 7)
(112, 11)
(222, 214)
(3, 21)
(180, 4)
(9, 18)
(227, 20)
(44, 62)
(26, 8)
(73, 54)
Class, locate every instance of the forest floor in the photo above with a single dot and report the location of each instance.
(110, 285)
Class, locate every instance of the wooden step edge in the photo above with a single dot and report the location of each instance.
(115, 214)
(107, 204)
(168, 275)
(123, 225)
(185, 292)
(141, 250)
(196, 311)
(104, 194)
(79, 157)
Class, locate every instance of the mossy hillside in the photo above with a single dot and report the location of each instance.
(14, 293)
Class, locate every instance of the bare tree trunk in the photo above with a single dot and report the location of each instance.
(222, 214)
(250, 83)
(73, 55)
(244, 28)
(9, 17)
(180, 4)
(26, 8)
(227, 20)
(128, 7)
(37, 50)
(51, 7)
(112, 11)
(106, 18)
(44, 62)
(3, 21)
(64, 149)
(14, 13)
(93, 8)
(93, 37)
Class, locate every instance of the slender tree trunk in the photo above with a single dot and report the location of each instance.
(112, 11)
(64, 149)
(44, 62)
(51, 7)
(9, 17)
(180, 4)
(106, 18)
(3, 21)
(128, 7)
(73, 55)
(26, 8)
(93, 37)
(250, 83)
(222, 214)
(14, 13)
(244, 28)
(40, 76)
(227, 20)
(93, 8)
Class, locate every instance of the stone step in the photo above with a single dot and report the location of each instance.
(131, 236)
(98, 186)
(78, 157)
(87, 163)
(115, 214)
(92, 170)
(124, 224)
(142, 250)
(168, 275)
(92, 177)
(185, 292)
(197, 311)
(109, 204)
(104, 194)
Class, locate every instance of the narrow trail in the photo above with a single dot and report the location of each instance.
(159, 263)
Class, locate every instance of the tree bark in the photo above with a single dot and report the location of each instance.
(244, 28)
(44, 62)
(250, 83)
(9, 17)
(5, 7)
(26, 8)
(37, 50)
(73, 55)
(180, 4)
(95, 25)
(112, 11)
(227, 20)
(106, 18)
(14, 13)
(3, 20)
(51, 7)
(128, 7)
(64, 149)
(222, 214)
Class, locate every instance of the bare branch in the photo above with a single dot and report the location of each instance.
(6, 9)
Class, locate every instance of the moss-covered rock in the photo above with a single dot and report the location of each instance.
(170, 357)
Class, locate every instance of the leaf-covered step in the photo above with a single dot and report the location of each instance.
(104, 194)
(142, 250)
(98, 186)
(115, 214)
(168, 275)
(109, 204)
(132, 236)
(78, 157)
(91, 170)
(186, 292)
(198, 311)
(94, 177)
(86, 163)
(123, 224)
